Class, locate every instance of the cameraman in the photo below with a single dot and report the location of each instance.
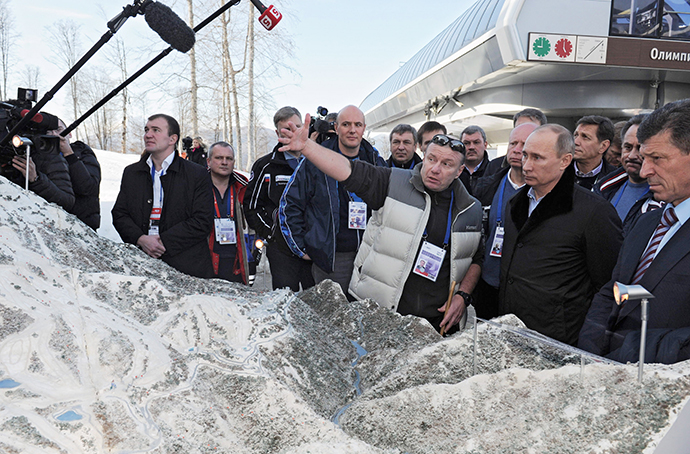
(323, 130)
(85, 174)
(48, 174)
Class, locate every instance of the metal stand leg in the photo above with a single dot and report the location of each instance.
(643, 338)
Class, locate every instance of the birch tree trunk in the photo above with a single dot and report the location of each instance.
(194, 87)
(251, 133)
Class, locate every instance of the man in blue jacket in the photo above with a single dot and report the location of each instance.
(320, 220)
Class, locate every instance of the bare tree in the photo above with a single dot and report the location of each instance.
(118, 56)
(96, 84)
(251, 132)
(194, 87)
(7, 39)
(65, 40)
(31, 77)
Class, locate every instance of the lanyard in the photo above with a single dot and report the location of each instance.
(153, 180)
(354, 197)
(231, 204)
(446, 240)
(620, 194)
(499, 215)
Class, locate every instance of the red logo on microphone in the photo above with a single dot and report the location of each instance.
(270, 18)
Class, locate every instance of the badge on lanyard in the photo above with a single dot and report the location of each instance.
(358, 215)
(154, 221)
(225, 231)
(431, 257)
(497, 244)
(429, 261)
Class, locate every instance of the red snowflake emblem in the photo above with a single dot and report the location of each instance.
(564, 47)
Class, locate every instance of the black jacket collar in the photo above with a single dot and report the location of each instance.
(558, 201)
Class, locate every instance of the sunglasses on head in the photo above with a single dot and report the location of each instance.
(444, 140)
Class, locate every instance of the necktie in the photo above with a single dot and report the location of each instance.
(667, 220)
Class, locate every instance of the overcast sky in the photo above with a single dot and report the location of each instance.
(343, 49)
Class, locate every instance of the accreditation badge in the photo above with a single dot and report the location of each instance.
(225, 231)
(497, 244)
(154, 221)
(358, 215)
(429, 261)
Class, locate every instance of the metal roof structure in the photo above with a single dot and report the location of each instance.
(474, 22)
(568, 58)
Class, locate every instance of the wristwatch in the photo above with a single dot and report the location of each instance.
(466, 296)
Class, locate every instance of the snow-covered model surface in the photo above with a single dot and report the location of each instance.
(104, 350)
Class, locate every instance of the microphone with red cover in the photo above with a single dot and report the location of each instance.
(269, 16)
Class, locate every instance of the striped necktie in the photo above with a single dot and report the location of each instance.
(667, 220)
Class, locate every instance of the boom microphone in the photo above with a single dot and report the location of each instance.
(169, 26)
(269, 16)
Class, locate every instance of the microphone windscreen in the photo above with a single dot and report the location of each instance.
(47, 121)
(169, 26)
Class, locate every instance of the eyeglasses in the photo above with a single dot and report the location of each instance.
(444, 141)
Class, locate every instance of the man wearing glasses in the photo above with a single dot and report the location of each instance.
(424, 234)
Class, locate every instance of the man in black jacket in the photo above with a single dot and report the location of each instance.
(593, 135)
(165, 204)
(403, 142)
(624, 187)
(561, 241)
(269, 177)
(85, 175)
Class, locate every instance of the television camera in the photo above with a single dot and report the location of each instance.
(36, 131)
(319, 124)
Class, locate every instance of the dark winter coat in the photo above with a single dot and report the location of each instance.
(416, 159)
(53, 183)
(187, 215)
(268, 180)
(590, 182)
(555, 260)
(485, 190)
(85, 173)
(198, 155)
(470, 180)
(611, 183)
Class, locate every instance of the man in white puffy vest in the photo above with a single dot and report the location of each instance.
(424, 234)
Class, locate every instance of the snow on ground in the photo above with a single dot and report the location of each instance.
(112, 165)
(104, 349)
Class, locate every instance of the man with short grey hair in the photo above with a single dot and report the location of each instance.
(561, 241)
(228, 241)
(403, 142)
(270, 174)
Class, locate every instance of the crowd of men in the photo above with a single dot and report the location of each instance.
(543, 232)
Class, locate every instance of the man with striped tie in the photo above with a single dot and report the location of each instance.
(656, 252)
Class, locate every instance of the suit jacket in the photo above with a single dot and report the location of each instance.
(667, 278)
(186, 219)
